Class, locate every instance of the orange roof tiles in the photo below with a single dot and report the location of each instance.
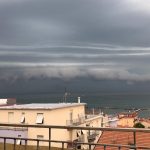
(123, 138)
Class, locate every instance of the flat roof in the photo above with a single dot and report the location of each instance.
(42, 106)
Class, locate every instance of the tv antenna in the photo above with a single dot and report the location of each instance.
(66, 94)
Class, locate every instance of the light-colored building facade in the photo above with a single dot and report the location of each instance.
(126, 122)
(127, 119)
(63, 114)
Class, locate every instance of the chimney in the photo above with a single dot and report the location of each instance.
(78, 99)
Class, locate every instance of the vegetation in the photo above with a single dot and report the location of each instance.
(139, 125)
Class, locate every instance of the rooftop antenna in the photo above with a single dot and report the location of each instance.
(65, 95)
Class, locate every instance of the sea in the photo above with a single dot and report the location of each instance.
(112, 103)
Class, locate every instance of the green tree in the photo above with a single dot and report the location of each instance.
(139, 125)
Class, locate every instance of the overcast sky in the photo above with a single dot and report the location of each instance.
(65, 39)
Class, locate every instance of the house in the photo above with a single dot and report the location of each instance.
(127, 119)
(63, 114)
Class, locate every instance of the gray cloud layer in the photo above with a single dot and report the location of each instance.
(67, 39)
(67, 62)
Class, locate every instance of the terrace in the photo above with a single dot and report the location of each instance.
(111, 138)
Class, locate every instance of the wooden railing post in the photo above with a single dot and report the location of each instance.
(4, 143)
(37, 148)
(25, 144)
(14, 144)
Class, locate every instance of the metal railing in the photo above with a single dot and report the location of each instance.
(80, 120)
(103, 145)
(75, 122)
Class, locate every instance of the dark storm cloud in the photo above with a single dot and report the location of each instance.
(67, 39)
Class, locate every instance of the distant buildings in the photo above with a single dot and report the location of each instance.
(127, 119)
(113, 121)
(63, 114)
(8, 101)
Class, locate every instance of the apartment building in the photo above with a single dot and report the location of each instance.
(64, 114)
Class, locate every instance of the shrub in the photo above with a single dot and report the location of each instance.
(139, 125)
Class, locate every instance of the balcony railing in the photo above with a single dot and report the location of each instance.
(80, 120)
(75, 122)
(98, 146)
(14, 128)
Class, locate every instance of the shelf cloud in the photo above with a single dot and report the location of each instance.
(69, 62)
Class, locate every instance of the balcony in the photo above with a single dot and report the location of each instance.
(14, 128)
(111, 138)
(75, 122)
(81, 120)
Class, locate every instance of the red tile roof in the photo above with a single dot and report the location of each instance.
(123, 138)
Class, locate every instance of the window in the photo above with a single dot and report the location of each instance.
(10, 117)
(22, 118)
(40, 118)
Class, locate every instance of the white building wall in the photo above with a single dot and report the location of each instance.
(51, 117)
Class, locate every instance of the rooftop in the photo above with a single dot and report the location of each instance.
(7, 101)
(42, 106)
(123, 138)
